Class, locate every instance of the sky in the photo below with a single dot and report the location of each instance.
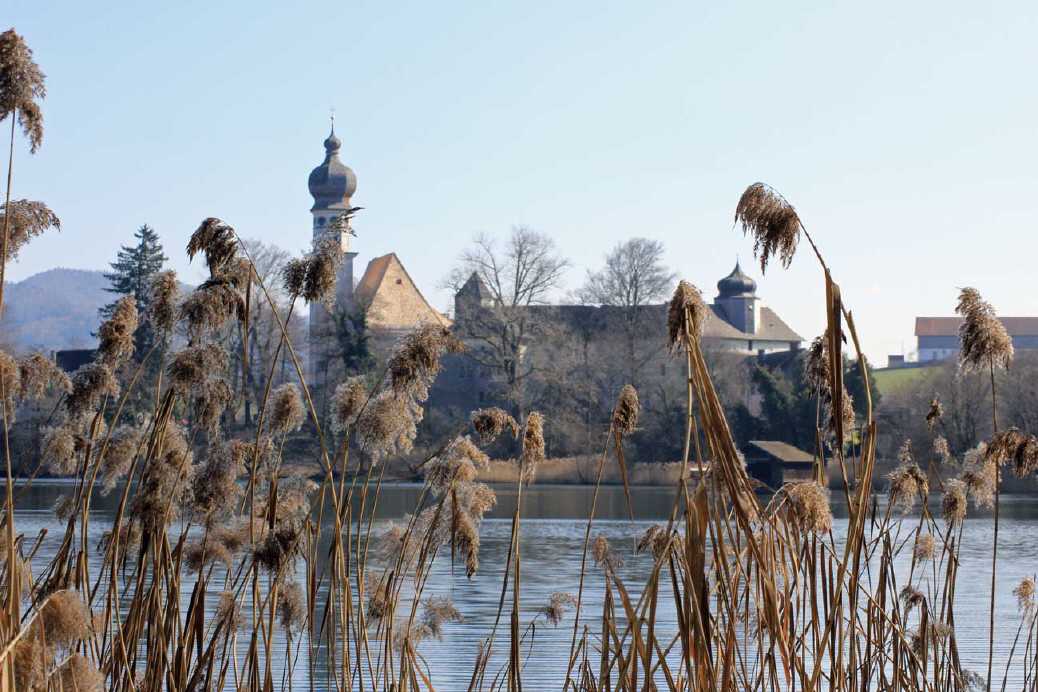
(904, 134)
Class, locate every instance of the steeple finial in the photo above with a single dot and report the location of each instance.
(333, 143)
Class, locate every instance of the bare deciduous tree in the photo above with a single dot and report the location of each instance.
(1019, 393)
(264, 333)
(633, 277)
(964, 422)
(505, 289)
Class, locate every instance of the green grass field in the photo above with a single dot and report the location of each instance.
(894, 379)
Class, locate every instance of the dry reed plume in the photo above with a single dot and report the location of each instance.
(924, 547)
(165, 299)
(115, 336)
(216, 240)
(25, 220)
(388, 425)
(818, 372)
(953, 504)
(38, 374)
(772, 221)
(908, 483)
(21, 87)
(489, 423)
(210, 306)
(533, 445)
(941, 449)
(627, 410)
(417, 360)
(557, 605)
(807, 506)
(90, 384)
(321, 271)
(293, 276)
(10, 384)
(983, 339)
(686, 314)
(934, 415)
(287, 413)
(348, 400)
(1024, 592)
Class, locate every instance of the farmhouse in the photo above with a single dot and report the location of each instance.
(937, 338)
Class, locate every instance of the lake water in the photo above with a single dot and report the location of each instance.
(552, 535)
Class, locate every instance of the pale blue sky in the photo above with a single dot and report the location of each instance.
(904, 132)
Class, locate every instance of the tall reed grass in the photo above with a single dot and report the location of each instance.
(764, 595)
(278, 566)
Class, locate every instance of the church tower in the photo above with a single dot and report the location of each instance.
(332, 185)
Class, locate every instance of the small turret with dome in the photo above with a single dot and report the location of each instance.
(736, 285)
(738, 302)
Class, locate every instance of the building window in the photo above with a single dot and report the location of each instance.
(320, 221)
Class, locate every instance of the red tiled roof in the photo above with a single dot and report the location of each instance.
(949, 326)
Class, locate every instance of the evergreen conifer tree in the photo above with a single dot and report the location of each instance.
(132, 272)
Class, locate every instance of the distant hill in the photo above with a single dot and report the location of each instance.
(53, 310)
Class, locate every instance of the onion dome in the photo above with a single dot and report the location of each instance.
(333, 182)
(736, 284)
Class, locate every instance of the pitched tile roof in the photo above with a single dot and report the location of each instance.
(770, 328)
(372, 279)
(773, 328)
(782, 451)
(393, 304)
(949, 326)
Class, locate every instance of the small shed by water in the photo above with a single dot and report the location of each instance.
(773, 463)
